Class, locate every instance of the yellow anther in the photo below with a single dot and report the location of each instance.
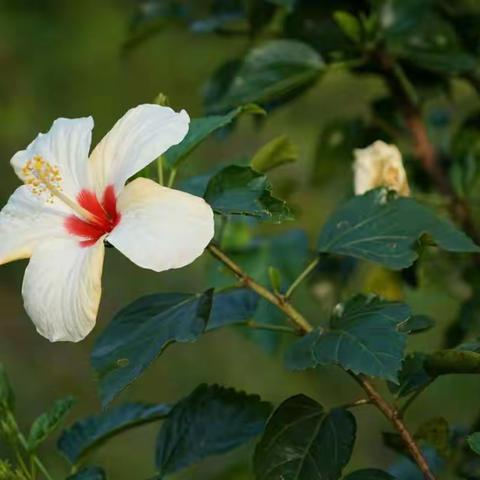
(43, 177)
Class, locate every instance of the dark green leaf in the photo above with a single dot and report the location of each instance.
(369, 474)
(363, 337)
(211, 420)
(139, 333)
(270, 72)
(412, 376)
(417, 324)
(46, 423)
(7, 397)
(231, 306)
(474, 442)
(277, 152)
(237, 190)
(200, 129)
(89, 473)
(91, 432)
(304, 442)
(422, 37)
(383, 228)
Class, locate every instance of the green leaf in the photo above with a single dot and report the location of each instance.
(363, 337)
(232, 306)
(369, 474)
(304, 442)
(140, 332)
(474, 442)
(211, 420)
(412, 377)
(417, 324)
(278, 151)
(7, 397)
(421, 36)
(270, 72)
(237, 190)
(199, 130)
(349, 24)
(89, 433)
(89, 473)
(46, 423)
(275, 278)
(383, 228)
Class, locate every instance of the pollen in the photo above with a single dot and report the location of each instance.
(42, 177)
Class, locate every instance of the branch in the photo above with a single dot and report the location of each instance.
(392, 415)
(303, 327)
(425, 151)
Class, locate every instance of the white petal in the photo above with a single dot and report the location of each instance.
(138, 138)
(25, 221)
(62, 287)
(66, 146)
(161, 228)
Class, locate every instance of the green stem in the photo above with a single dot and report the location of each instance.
(270, 327)
(171, 178)
(411, 399)
(308, 270)
(160, 169)
(41, 467)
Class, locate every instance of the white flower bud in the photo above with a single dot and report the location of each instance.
(379, 165)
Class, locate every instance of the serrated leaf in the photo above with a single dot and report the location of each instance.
(412, 376)
(87, 434)
(278, 151)
(302, 441)
(211, 420)
(139, 333)
(386, 229)
(199, 130)
(49, 421)
(237, 190)
(232, 306)
(363, 337)
(270, 72)
(474, 442)
(7, 397)
(89, 473)
(369, 474)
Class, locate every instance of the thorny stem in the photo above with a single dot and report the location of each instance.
(303, 327)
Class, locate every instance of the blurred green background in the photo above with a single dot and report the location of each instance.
(64, 58)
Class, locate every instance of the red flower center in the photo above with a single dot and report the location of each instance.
(106, 216)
